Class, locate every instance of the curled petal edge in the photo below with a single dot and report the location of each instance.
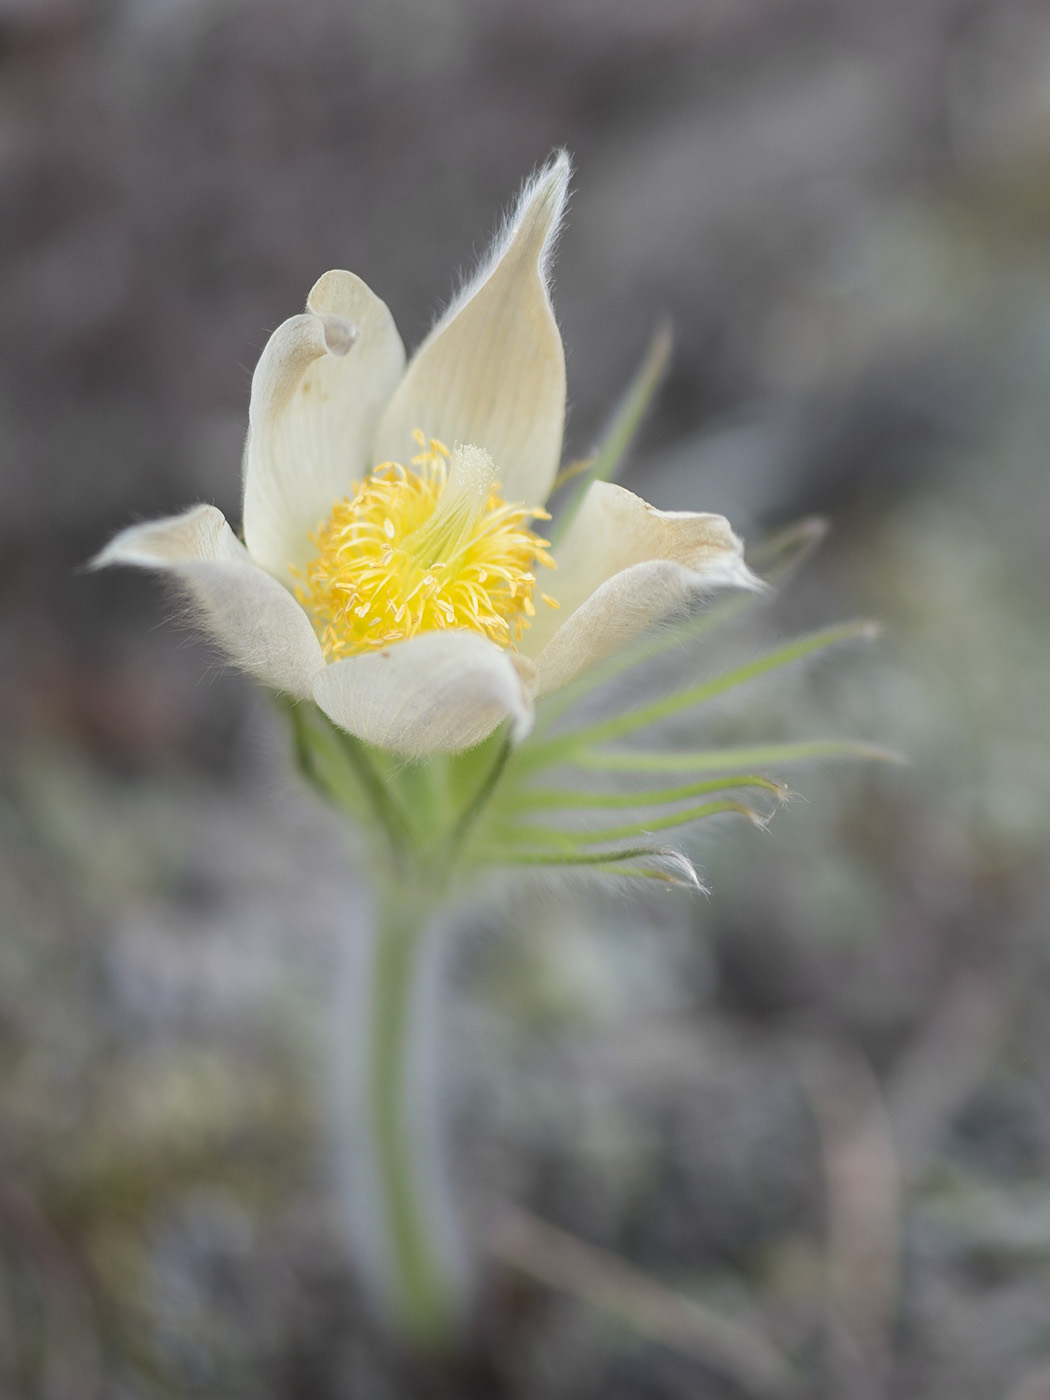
(320, 385)
(614, 530)
(623, 605)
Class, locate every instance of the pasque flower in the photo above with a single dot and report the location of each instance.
(396, 575)
(392, 568)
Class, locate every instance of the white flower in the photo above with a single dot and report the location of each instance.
(391, 579)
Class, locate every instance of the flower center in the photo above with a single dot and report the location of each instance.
(418, 550)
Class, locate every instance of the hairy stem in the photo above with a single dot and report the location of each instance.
(422, 1291)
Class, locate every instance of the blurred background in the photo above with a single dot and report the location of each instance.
(816, 1104)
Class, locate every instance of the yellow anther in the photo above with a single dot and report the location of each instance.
(381, 575)
(434, 452)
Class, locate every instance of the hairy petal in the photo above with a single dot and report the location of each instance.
(435, 693)
(492, 371)
(256, 621)
(317, 393)
(623, 565)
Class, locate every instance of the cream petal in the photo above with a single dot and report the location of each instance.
(492, 371)
(435, 693)
(623, 565)
(255, 620)
(317, 393)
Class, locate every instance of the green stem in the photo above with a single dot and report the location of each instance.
(340, 766)
(423, 1292)
(387, 809)
(477, 804)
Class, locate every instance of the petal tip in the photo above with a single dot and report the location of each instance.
(742, 576)
(160, 543)
(557, 172)
(543, 201)
(106, 556)
(121, 549)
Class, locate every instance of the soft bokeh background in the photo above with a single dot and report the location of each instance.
(817, 1103)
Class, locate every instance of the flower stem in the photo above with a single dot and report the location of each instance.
(421, 1285)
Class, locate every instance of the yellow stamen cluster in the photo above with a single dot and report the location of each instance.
(395, 560)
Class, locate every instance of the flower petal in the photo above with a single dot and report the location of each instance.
(317, 393)
(492, 371)
(624, 564)
(255, 620)
(435, 693)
